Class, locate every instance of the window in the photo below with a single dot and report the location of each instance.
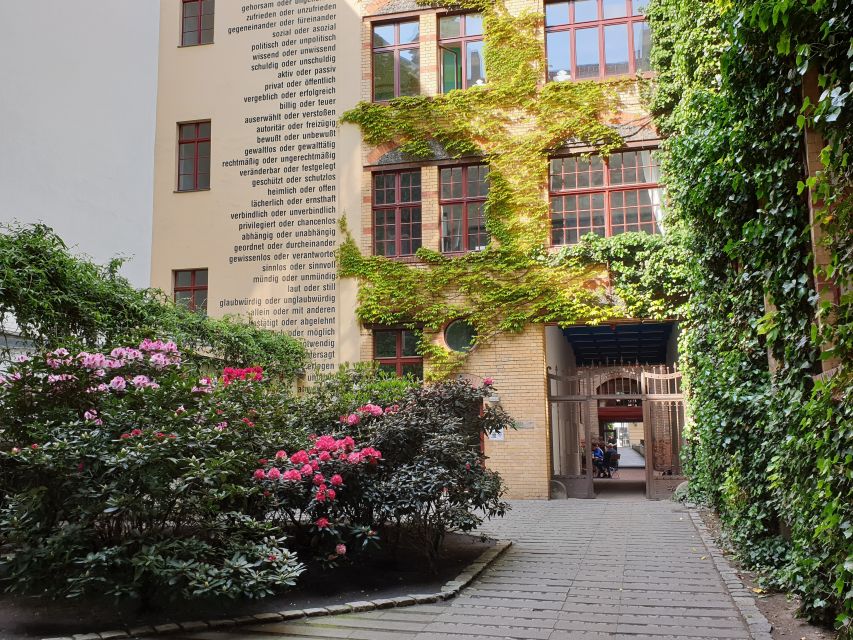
(397, 213)
(396, 352)
(463, 197)
(460, 335)
(191, 289)
(396, 60)
(194, 156)
(606, 197)
(196, 22)
(460, 45)
(596, 38)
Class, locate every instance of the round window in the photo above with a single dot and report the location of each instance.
(459, 335)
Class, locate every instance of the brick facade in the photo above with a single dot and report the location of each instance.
(516, 362)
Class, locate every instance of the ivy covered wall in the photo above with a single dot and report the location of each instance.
(771, 446)
(513, 123)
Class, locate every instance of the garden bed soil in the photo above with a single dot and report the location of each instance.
(379, 576)
(780, 609)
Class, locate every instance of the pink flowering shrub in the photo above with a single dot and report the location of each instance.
(123, 471)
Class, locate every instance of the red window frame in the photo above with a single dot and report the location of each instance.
(193, 32)
(193, 288)
(465, 202)
(395, 49)
(193, 165)
(600, 24)
(399, 360)
(398, 209)
(614, 195)
(463, 40)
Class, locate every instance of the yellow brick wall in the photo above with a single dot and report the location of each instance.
(516, 363)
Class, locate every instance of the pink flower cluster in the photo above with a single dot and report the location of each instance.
(251, 374)
(306, 464)
(58, 378)
(368, 409)
(205, 385)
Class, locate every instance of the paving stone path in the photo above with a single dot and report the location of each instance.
(578, 569)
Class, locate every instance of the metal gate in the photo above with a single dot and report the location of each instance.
(580, 401)
(663, 423)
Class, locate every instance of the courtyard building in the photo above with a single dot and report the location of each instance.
(254, 172)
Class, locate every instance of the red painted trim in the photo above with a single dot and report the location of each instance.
(621, 414)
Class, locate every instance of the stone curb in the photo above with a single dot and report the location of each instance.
(759, 627)
(449, 590)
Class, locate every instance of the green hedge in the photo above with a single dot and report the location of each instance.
(769, 449)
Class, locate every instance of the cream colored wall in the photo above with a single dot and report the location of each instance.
(195, 229)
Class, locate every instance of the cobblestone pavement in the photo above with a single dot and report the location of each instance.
(578, 569)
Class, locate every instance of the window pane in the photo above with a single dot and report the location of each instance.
(451, 228)
(190, 9)
(383, 35)
(183, 278)
(187, 132)
(186, 183)
(476, 64)
(207, 22)
(186, 165)
(409, 32)
(204, 130)
(449, 27)
(207, 6)
(473, 24)
(385, 344)
(616, 49)
(383, 76)
(204, 181)
(191, 24)
(183, 298)
(190, 37)
(201, 278)
(642, 46)
(207, 36)
(586, 10)
(556, 13)
(414, 370)
(596, 173)
(477, 185)
(451, 68)
(640, 7)
(614, 9)
(410, 72)
(388, 368)
(586, 52)
(559, 55)
(410, 343)
(200, 300)
(459, 335)
(204, 149)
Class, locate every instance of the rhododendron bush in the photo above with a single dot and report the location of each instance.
(124, 471)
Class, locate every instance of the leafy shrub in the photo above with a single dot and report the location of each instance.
(123, 474)
(429, 479)
(126, 473)
(55, 297)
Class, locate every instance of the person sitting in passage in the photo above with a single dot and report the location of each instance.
(598, 459)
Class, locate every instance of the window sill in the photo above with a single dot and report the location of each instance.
(190, 46)
(404, 259)
(190, 190)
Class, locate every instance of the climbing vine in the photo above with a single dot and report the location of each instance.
(513, 122)
(770, 448)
